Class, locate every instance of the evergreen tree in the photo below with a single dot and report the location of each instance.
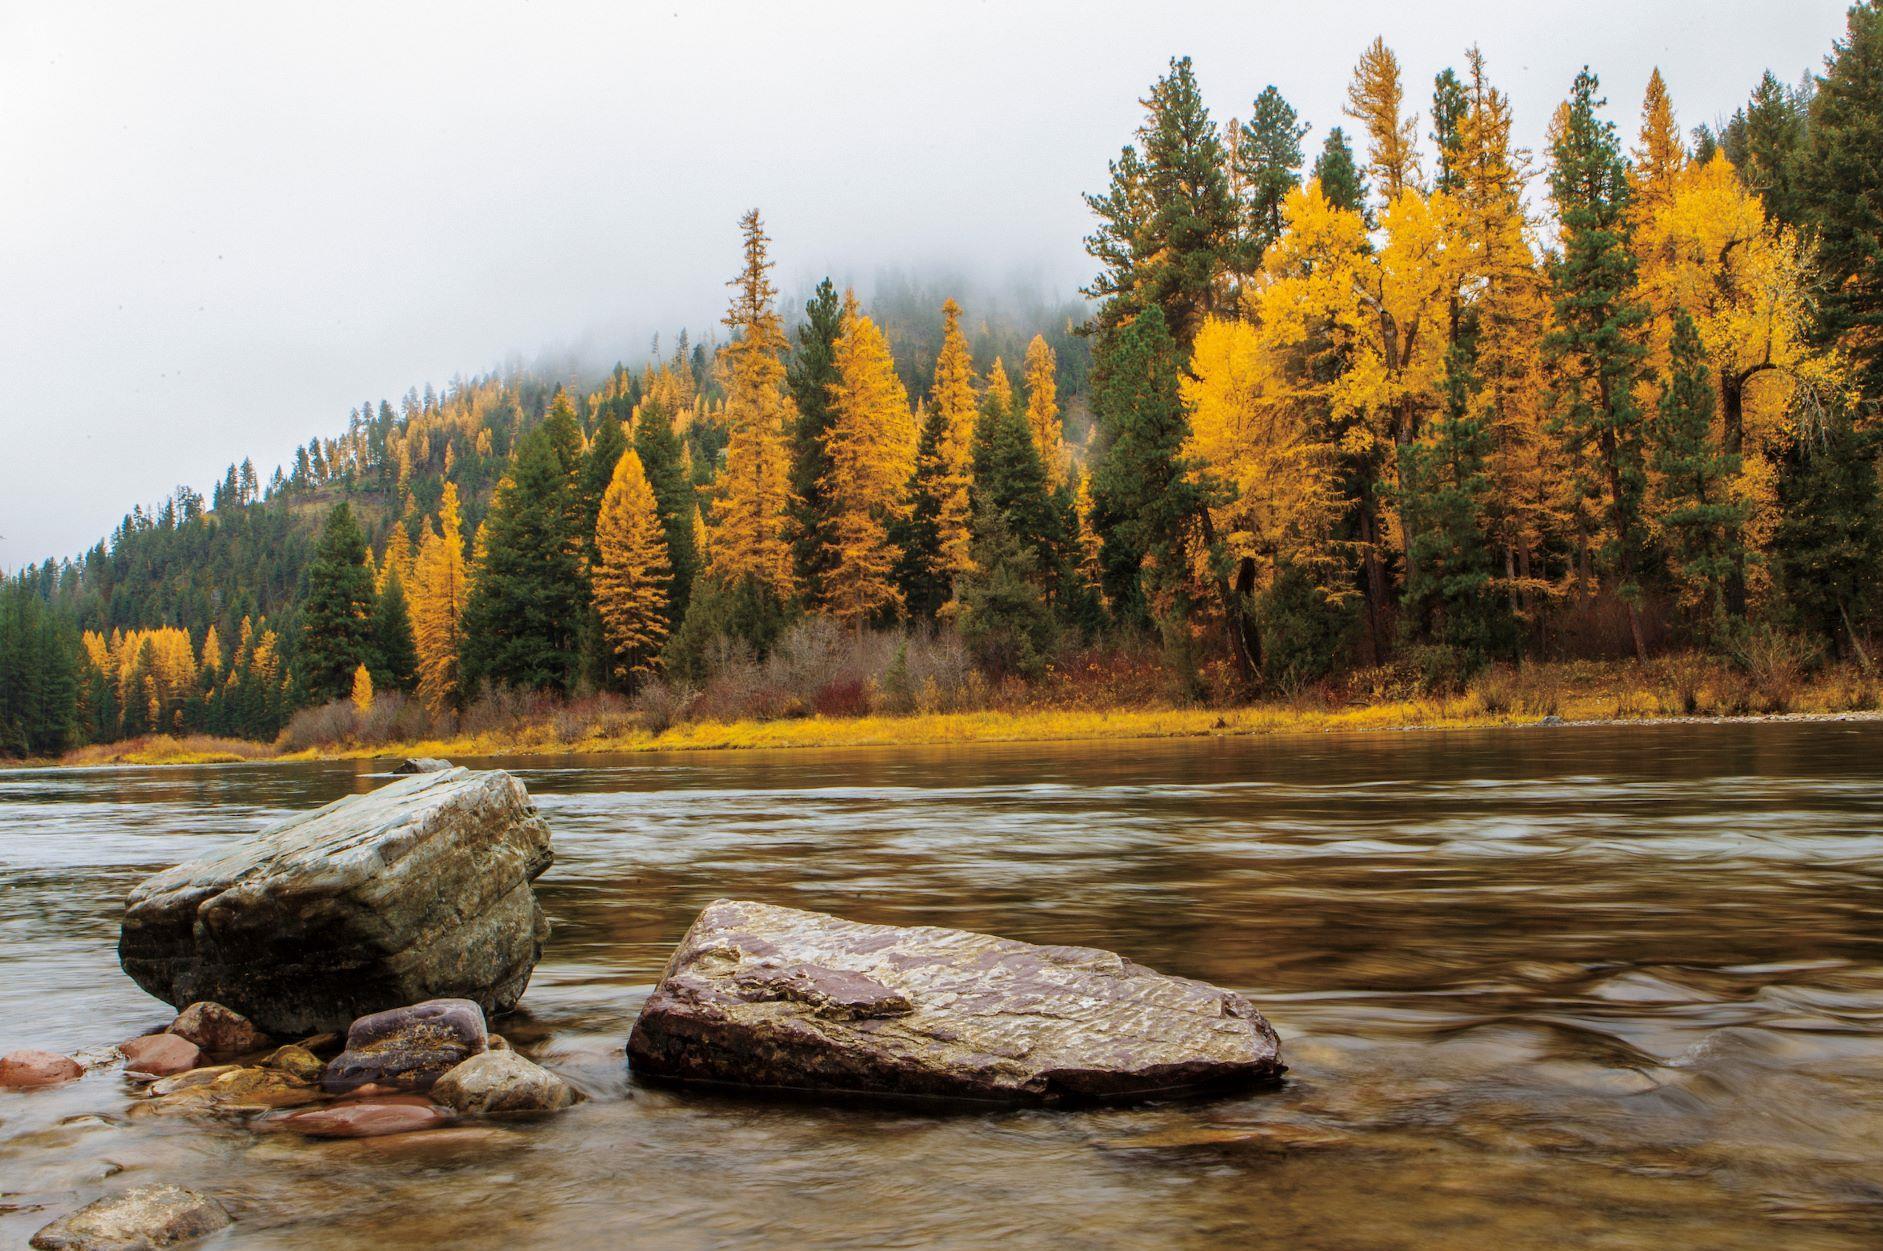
(1829, 540)
(1266, 164)
(1004, 616)
(1766, 141)
(1339, 175)
(1698, 517)
(632, 573)
(1594, 346)
(597, 472)
(394, 649)
(336, 616)
(947, 474)
(527, 599)
(1010, 487)
(811, 375)
(663, 460)
(1168, 222)
(923, 574)
(39, 682)
(1449, 106)
(1842, 169)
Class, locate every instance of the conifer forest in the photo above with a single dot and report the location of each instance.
(1408, 406)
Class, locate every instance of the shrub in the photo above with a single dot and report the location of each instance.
(1776, 663)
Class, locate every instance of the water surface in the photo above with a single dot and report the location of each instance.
(1602, 987)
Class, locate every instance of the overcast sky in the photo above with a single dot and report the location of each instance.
(224, 225)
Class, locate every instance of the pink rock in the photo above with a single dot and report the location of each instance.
(367, 1118)
(27, 1068)
(160, 1055)
(218, 1030)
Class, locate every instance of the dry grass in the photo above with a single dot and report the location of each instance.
(156, 749)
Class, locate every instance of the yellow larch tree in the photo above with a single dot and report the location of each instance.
(634, 572)
(750, 531)
(1659, 155)
(210, 662)
(397, 558)
(1042, 410)
(439, 585)
(362, 690)
(998, 397)
(1374, 99)
(1091, 572)
(952, 398)
(870, 449)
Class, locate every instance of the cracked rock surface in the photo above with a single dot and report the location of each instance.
(764, 996)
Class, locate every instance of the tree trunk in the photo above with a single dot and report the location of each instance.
(1235, 620)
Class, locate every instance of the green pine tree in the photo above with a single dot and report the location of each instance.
(1340, 177)
(921, 573)
(336, 615)
(1267, 165)
(1449, 106)
(1829, 543)
(394, 649)
(1700, 520)
(527, 601)
(1838, 181)
(811, 373)
(1595, 348)
(1005, 619)
(675, 500)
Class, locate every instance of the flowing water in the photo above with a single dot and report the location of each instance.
(1606, 987)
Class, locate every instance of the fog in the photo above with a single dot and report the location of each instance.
(225, 225)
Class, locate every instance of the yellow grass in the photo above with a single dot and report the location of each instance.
(1575, 692)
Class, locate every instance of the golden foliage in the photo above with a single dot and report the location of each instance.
(1374, 99)
(1042, 411)
(952, 397)
(362, 695)
(871, 451)
(440, 584)
(633, 572)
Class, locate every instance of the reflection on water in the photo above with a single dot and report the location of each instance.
(1591, 987)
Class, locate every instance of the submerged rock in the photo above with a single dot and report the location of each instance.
(218, 1030)
(367, 1118)
(160, 1055)
(417, 890)
(29, 1068)
(764, 996)
(407, 1048)
(497, 1082)
(149, 1216)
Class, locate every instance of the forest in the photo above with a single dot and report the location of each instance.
(1417, 403)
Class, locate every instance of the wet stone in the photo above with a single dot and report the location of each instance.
(499, 1082)
(775, 997)
(407, 1048)
(146, 1217)
(420, 764)
(295, 1061)
(218, 1030)
(366, 1118)
(29, 1068)
(161, 1055)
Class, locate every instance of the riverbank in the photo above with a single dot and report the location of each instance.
(1560, 695)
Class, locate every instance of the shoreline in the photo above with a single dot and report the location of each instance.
(924, 730)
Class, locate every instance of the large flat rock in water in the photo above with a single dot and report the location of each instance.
(765, 996)
(418, 890)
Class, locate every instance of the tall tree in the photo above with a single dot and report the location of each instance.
(923, 573)
(1595, 347)
(440, 586)
(1265, 165)
(1042, 410)
(1450, 103)
(750, 525)
(527, 599)
(1167, 224)
(1842, 169)
(663, 460)
(395, 652)
(1692, 479)
(336, 616)
(946, 473)
(632, 571)
(1374, 99)
(811, 373)
(870, 450)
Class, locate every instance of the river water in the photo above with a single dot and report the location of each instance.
(1593, 987)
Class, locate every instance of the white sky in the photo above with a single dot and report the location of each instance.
(222, 225)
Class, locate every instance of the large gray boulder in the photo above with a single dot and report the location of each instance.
(418, 890)
(765, 996)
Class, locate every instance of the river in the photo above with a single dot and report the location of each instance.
(1592, 987)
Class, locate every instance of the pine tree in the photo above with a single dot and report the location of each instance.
(632, 574)
(1841, 171)
(440, 587)
(1594, 347)
(1266, 166)
(1694, 508)
(663, 459)
(1829, 540)
(1168, 223)
(527, 600)
(597, 472)
(1766, 141)
(811, 374)
(923, 575)
(1004, 616)
(1042, 411)
(1450, 104)
(1339, 175)
(870, 450)
(394, 649)
(750, 532)
(336, 616)
(1010, 486)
